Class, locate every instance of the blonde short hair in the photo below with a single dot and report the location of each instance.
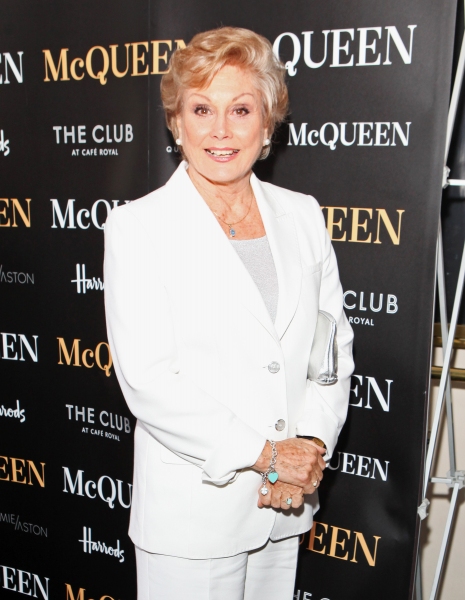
(207, 53)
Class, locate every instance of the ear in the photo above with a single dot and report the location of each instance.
(178, 122)
(266, 133)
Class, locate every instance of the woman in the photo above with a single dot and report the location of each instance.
(213, 285)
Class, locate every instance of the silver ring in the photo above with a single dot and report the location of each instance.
(289, 501)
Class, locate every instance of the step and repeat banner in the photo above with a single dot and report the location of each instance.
(81, 132)
(453, 207)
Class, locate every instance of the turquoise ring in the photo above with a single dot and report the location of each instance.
(289, 501)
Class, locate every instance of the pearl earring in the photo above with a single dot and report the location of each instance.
(178, 142)
(267, 142)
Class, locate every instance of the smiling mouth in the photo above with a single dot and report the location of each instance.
(220, 153)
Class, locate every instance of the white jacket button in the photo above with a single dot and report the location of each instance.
(273, 367)
(280, 425)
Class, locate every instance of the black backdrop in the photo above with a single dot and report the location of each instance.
(74, 143)
(453, 208)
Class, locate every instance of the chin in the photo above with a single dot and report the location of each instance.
(224, 172)
(221, 176)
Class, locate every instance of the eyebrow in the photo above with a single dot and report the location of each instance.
(233, 100)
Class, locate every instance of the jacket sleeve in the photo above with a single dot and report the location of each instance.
(175, 411)
(326, 406)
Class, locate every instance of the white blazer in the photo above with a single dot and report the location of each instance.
(192, 340)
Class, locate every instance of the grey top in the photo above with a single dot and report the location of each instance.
(258, 260)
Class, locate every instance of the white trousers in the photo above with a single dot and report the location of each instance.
(267, 573)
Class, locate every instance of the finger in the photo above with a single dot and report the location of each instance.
(305, 475)
(312, 475)
(316, 483)
(294, 492)
(312, 487)
(297, 500)
(316, 473)
(320, 450)
(315, 466)
(287, 501)
(290, 496)
(276, 498)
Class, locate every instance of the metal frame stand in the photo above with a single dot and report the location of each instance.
(454, 479)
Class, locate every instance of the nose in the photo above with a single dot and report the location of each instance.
(220, 128)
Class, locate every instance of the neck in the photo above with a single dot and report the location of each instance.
(223, 197)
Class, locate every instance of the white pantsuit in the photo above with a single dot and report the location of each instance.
(194, 345)
(267, 573)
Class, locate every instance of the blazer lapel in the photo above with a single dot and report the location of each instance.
(282, 237)
(221, 268)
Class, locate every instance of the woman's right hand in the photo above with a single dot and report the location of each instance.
(278, 494)
(299, 462)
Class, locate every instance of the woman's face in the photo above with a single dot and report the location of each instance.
(221, 127)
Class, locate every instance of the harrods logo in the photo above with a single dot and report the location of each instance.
(359, 223)
(9, 65)
(81, 594)
(366, 134)
(105, 488)
(20, 525)
(147, 58)
(12, 209)
(68, 218)
(23, 582)
(361, 47)
(90, 545)
(83, 283)
(100, 357)
(15, 276)
(109, 420)
(15, 413)
(4, 144)
(16, 346)
(341, 543)
(361, 466)
(15, 471)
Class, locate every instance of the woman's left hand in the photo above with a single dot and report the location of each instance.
(279, 493)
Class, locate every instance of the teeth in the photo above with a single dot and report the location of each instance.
(222, 152)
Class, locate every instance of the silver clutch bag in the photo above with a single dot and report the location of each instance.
(322, 366)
